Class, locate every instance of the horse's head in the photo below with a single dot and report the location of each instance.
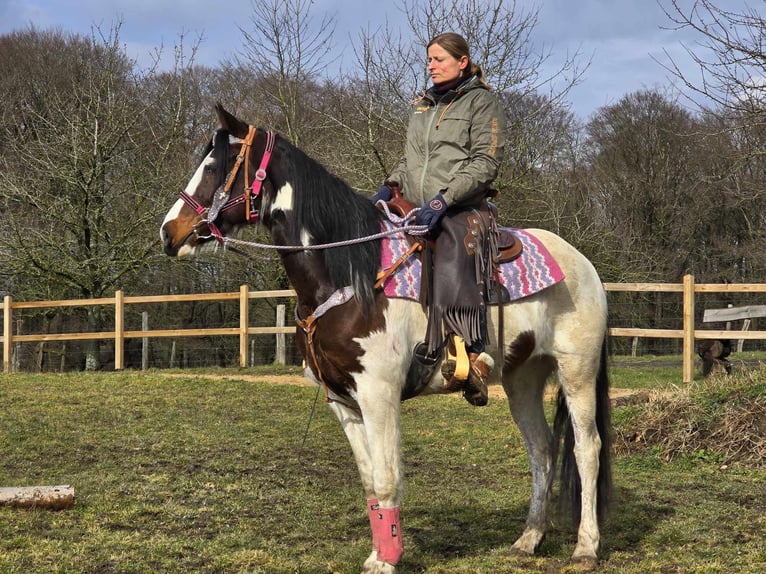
(224, 194)
(249, 175)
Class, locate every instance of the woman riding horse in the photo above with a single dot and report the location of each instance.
(453, 152)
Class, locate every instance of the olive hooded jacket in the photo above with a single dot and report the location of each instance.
(454, 145)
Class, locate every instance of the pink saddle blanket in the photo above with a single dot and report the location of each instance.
(530, 273)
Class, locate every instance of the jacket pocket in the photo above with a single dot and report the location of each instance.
(454, 131)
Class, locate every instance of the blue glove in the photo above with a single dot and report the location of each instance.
(384, 192)
(431, 213)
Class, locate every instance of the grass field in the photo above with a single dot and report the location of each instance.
(211, 474)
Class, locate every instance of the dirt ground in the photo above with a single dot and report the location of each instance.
(619, 396)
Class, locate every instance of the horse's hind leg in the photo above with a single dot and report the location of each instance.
(525, 386)
(578, 384)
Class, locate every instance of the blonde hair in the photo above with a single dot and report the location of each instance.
(457, 47)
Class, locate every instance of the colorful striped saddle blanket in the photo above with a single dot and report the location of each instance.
(534, 270)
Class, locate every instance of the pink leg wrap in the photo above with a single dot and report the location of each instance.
(372, 512)
(387, 530)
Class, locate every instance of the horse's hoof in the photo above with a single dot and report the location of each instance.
(516, 551)
(379, 568)
(581, 564)
(373, 566)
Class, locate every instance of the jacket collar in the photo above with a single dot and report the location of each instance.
(469, 84)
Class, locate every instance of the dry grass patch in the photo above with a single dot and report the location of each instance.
(721, 419)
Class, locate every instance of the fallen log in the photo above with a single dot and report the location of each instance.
(48, 497)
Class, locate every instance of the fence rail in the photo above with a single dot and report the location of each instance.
(688, 333)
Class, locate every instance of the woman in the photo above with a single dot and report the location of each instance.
(452, 155)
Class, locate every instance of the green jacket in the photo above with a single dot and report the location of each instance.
(454, 145)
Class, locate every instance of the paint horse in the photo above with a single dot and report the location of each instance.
(359, 342)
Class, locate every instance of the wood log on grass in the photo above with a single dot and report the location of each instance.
(48, 497)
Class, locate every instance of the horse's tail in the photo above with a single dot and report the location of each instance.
(570, 486)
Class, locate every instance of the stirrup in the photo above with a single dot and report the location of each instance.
(457, 366)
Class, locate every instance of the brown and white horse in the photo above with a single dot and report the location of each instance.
(359, 343)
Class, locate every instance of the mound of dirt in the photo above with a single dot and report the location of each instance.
(720, 419)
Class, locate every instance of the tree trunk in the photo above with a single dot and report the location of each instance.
(92, 358)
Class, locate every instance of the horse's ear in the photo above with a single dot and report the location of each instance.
(235, 127)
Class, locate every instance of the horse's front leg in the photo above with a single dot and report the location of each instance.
(379, 402)
(383, 516)
(353, 425)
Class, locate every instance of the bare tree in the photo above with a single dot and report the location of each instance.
(289, 51)
(82, 169)
(644, 176)
(730, 56)
(541, 152)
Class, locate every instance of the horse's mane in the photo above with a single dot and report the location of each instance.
(326, 207)
(220, 148)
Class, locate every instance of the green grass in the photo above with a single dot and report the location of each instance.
(666, 371)
(188, 474)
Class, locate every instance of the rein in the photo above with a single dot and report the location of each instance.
(402, 222)
(223, 202)
(411, 229)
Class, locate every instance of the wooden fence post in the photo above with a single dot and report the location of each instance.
(281, 343)
(244, 301)
(688, 340)
(16, 348)
(144, 341)
(7, 333)
(119, 330)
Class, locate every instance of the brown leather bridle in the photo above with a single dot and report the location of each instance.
(222, 200)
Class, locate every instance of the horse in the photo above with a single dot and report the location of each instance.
(359, 342)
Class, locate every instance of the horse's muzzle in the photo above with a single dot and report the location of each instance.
(167, 243)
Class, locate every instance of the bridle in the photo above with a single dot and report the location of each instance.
(222, 200)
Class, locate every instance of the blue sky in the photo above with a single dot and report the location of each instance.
(622, 38)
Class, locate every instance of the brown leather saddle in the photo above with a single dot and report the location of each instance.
(502, 246)
(509, 247)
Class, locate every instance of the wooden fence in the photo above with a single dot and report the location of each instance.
(119, 301)
(688, 333)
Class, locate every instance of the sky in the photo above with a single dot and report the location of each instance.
(626, 41)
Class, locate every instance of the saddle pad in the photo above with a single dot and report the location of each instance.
(530, 273)
(404, 283)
